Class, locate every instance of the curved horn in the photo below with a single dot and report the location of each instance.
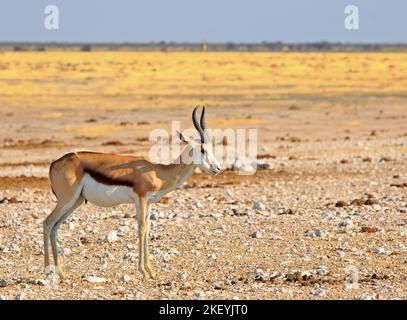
(203, 125)
(197, 126)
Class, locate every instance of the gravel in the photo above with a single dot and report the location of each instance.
(276, 235)
(94, 279)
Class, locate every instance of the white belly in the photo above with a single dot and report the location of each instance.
(105, 195)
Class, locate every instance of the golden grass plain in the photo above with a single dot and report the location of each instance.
(77, 79)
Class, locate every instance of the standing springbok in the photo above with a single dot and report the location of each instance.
(109, 179)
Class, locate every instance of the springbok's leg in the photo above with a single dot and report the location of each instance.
(147, 264)
(47, 227)
(54, 235)
(141, 221)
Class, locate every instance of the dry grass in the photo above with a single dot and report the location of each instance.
(75, 79)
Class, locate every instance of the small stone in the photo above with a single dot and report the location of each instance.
(376, 207)
(111, 237)
(309, 233)
(125, 278)
(256, 235)
(3, 283)
(218, 286)
(313, 233)
(35, 215)
(322, 271)
(65, 251)
(130, 256)
(293, 277)
(381, 250)
(94, 279)
(20, 296)
(340, 204)
(286, 211)
(319, 292)
(258, 206)
(40, 282)
(346, 223)
(259, 275)
(369, 229)
(212, 257)
(182, 275)
(318, 233)
(2, 298)
(263, 165)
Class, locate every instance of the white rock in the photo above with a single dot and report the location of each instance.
(217, 285)
(363, 297)
(260, 275)
(94, 279)
(376, 207)
(65, 251)
(381, 250)
(111, 237)
(322, 271)
(2, 298)
(182, 275)
(173, 251)
(125, 278)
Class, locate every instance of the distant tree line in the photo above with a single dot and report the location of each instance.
(204, 46)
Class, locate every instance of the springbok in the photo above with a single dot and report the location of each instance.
(109, 179)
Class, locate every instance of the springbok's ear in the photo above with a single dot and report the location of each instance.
(181, 137)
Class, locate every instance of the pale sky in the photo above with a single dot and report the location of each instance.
(211, 20)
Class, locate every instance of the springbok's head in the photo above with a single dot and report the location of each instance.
(202, 153)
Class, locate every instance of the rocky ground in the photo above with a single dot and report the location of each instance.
(326, 220)
(311, 232)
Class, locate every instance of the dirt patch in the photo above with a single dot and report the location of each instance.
(16, 183)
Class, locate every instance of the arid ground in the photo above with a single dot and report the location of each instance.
(327, 220)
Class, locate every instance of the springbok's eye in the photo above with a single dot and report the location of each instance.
(202, 150)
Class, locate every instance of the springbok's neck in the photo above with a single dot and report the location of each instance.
(182, 171)
(181, 165)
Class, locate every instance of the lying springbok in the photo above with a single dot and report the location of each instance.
(109, 179)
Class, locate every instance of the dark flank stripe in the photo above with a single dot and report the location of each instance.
(100, 177)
